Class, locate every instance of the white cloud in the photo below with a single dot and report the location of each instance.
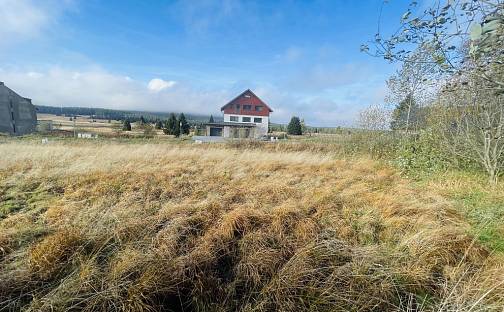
(158, 85)
(34, 74)
(21, 18)
(96, 87)
(337, 107)
(26, 19)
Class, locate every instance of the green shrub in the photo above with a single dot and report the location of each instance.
(421, 153)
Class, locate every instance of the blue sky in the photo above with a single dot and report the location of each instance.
(301, 57)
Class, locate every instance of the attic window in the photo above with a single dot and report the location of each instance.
(258, 108)
(247, 107)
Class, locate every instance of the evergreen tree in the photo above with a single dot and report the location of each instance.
(184, 126)
(170, 124)
(176, 129)
(142, 120)
(294, 126)
(126, 125)
(159, 124)
(303, 126)
(406, 115)
(211, 119)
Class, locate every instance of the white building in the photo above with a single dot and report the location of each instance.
(246, 116)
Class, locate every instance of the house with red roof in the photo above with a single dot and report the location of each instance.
(245, 116)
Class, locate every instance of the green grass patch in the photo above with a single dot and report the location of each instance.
(486, 216)
(24, 197)
(479, 202)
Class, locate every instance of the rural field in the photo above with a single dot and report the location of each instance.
(252, 156)
(86, 124)
(102, 225)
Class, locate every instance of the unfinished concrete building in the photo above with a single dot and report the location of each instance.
(17, 114)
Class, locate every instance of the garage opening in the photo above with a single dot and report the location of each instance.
(214, 131)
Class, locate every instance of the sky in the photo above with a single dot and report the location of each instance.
(301, 57)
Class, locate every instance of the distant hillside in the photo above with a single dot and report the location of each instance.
(103, 113)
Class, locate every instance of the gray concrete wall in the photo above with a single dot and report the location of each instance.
(17, 114)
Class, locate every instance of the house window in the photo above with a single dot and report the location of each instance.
(245, 119)
(233, 118)
(258, 120)
(259, 108)
(247, 107)
(237, 106)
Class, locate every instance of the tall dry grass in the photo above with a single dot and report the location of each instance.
(109, 227)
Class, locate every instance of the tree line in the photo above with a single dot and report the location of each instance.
(112, 114)
(172, 126)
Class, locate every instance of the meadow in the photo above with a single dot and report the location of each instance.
(86, 124)
(149, 225)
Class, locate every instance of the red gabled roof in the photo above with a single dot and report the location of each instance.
(252, 94)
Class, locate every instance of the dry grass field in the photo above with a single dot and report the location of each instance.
(87, 124)
(100, 226)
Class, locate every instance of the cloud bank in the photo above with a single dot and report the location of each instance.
(96, 87)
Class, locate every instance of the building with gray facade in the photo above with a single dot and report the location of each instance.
(18, 115)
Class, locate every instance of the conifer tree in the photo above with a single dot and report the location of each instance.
(406, 114)
(176, 129)
(170, 124)
(126, 125)
(184, 126)
(294, 126)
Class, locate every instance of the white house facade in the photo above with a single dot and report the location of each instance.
(246, 116)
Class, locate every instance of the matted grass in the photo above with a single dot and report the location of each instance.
(101, 226)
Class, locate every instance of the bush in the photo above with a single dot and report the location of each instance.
(420, 153)
(126, 126)
(148, 131)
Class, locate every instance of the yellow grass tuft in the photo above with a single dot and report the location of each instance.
(50, 255)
